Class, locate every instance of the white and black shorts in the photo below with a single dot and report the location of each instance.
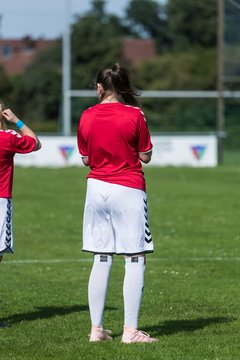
(115, 220)
(6, 233)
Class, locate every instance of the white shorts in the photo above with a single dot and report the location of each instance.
(6, 233)
(115, 220)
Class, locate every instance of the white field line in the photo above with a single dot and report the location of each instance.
(62, 261)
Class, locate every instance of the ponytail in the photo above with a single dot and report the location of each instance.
(117, 80)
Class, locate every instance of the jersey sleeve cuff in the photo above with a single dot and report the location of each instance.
(145, 152)
(83, 156)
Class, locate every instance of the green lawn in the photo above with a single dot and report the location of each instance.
(232, 157)
(192, 292)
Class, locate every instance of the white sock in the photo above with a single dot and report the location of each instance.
(132, 289)
(97, 287)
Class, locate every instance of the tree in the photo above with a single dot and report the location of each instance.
(182, 71)
(39, 89)
(5, 86)
(96, 43)
(192, 23)
(147, 18)
(178, 24)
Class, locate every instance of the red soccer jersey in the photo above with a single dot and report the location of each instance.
(112, 135)
(11, 143)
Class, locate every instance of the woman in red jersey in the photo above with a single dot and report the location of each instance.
(113, 139)
(11, 142)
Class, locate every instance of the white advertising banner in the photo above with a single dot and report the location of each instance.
(185, 150)
(176, 150)
(56, 151)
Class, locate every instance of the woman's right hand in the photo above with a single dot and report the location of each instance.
(10, 116)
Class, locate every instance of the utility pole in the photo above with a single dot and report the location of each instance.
(66, 71)
(220, 70)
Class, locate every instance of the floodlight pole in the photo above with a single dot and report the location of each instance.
(220, 69)
(66, 72)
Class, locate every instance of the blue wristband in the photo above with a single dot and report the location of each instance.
(19, 124)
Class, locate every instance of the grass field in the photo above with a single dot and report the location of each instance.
(192, 282)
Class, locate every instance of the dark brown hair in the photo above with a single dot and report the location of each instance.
(117, 80)
(2, 120)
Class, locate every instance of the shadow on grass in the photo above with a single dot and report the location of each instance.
(46, 312)
(175, 326)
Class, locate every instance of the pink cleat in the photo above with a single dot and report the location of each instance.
(99, 334)
(136, 336)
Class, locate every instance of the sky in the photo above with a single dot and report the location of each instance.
(44, 18)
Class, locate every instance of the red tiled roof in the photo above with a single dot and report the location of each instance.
(136, 50)
(16, 55)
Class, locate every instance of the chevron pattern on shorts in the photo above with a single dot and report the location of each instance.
(9, 224)
(148, 235)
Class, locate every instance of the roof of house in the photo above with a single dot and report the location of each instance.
(136, 50)
(17, 54)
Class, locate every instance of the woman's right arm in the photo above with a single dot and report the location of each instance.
(25, 130)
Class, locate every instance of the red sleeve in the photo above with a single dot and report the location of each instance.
(144, 139)
(21, 144)
(82, 145)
